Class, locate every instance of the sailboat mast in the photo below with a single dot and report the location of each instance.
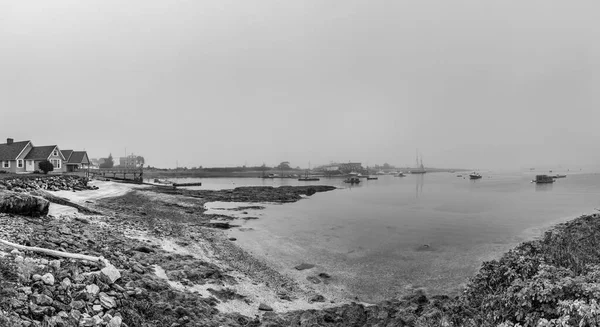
(417, 158)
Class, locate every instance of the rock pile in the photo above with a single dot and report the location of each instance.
(62, 293)
(50, 183)
(68, 292)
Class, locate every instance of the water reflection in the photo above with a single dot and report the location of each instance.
(420, 181)
(543, 187)
(352, 185)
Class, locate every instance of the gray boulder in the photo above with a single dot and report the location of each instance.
(23, 204)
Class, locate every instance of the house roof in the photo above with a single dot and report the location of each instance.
(40, 152)
(67, 154)
(77, 157)
(12, 151)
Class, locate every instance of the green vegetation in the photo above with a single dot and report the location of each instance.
(553, 281)
(46, 166)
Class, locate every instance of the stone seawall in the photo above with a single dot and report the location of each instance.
(28, 183)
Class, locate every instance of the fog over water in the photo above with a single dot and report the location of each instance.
(470, 83)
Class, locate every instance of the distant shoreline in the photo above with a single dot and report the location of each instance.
(155, 173)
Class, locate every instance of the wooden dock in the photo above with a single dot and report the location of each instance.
(135, 174)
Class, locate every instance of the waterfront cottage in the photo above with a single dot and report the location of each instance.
(23, 156)
(41, 153)
(75, 160)
(12, 155)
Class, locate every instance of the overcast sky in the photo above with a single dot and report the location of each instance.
(470, 83)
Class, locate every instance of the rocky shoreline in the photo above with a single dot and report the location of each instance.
(175, 268)
(152, 238)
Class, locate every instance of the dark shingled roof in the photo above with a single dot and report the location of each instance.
(67, 154)
(77, 157)
(40, 152)
(11, 151)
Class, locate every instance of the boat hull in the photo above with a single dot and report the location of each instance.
(543, 179)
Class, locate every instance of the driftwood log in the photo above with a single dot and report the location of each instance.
(109, 273)
(56, 253)
(65, 202)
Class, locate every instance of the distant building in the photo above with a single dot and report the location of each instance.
(131, 161)
(341, 168)
(350, 167)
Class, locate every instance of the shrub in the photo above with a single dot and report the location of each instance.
(46, 166)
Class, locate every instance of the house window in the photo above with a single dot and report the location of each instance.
(5, 164)
(55, 152)
(20, 163)
(56, 163)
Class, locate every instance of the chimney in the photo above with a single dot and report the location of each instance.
(9, 141)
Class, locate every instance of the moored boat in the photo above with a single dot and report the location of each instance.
(400, 174)
(162, 181)
(543, 179)
(475, 175)
(308, 179)
(352, 180)
(420, 168)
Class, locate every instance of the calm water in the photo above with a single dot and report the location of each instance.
(386, 237)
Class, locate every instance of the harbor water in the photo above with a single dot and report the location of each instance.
(384, 238)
